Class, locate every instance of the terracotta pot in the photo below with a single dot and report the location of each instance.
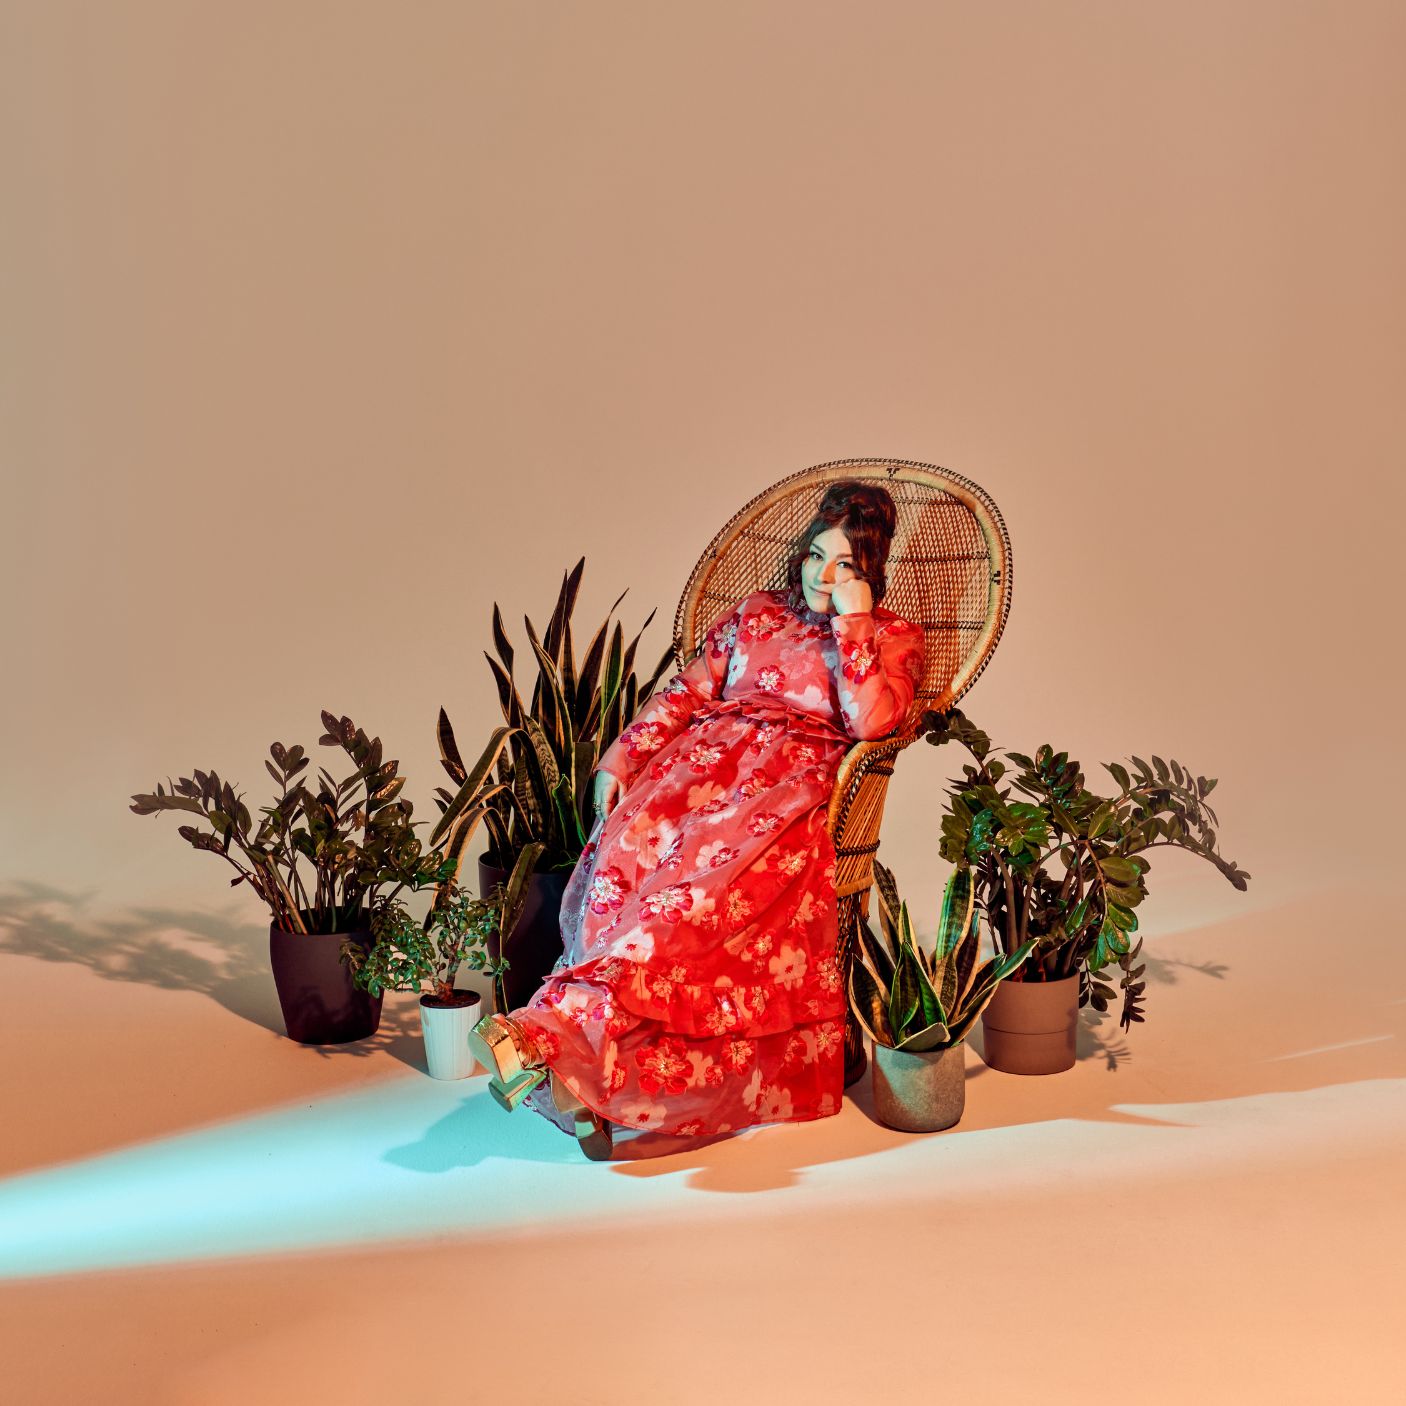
(321, 1005)
(446, 1027)
(920, 1093)
(536, 941)
(1028, 1026)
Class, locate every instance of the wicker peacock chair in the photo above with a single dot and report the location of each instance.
(949, 570)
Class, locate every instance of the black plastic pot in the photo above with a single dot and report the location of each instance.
(535, 944)
(320, 1004)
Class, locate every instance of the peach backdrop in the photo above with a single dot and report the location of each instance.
(324, 325)
(328, 325)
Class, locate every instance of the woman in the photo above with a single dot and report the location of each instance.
(699, 990)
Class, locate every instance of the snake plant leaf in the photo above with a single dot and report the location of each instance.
(568, 674)
(611, 685)
(544, 753)
(984, 987)
(473, 782)
(499, 841)
(874, 954)
(584, 766)
(463, 830)
(888, 902)
(869, 1002)
(628, 662)
(958, 901)
(555, 641)
(449, 757)
(588, 700)
(944, 981)
(509, 700)
(911, 996)
(530, 789)
(568, 817)
(931, 1009)
(932, 1037)
(500, 641)
(548, 700)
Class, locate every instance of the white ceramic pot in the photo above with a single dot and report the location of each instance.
(446, 1030)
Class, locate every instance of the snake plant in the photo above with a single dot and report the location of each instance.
(916, 1001)
(547, 749)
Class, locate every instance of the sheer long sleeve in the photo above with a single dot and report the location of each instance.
(667, 710)
(880, 665)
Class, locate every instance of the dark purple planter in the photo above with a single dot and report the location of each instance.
(536, 941)
(320, 1004)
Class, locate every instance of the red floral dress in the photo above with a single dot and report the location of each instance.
(698, 989)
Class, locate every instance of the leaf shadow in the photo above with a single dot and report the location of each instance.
(176, 949)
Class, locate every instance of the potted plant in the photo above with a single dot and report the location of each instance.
(917, 1007)
(541, 795)
(425, 956)
(1080, 917)
(320, 859)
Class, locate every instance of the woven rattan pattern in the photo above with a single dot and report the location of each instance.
(948, 569)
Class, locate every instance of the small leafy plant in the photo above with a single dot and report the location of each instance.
(916, 1001)
(1081, 919)
(406, 955)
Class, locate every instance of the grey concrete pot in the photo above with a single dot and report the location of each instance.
(920, 1093)
(1028, 1027)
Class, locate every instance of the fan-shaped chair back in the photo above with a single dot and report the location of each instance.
(949, 567)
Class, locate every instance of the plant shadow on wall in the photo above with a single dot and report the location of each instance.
(173, 949)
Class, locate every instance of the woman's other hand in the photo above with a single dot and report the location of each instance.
(608, 791)
(850, 596)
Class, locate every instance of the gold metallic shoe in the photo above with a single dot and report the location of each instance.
(505, 1049)
(499, 1044)
(594, 1133)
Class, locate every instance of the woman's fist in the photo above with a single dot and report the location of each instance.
(608, 791)
(850, 596)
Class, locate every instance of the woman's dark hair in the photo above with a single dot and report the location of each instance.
(868, 518)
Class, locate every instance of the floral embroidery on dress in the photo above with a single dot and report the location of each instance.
(608, 890)
(859, 660)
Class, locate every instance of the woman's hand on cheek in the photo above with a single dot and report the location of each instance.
(852, 595)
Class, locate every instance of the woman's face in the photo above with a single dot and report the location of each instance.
(827, 562)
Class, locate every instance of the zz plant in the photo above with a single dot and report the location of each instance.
(322, 855)
(916, 1001)
(1080, 916)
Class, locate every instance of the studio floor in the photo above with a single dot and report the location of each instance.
(195, 1210)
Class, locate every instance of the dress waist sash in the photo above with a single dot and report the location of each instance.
(794, 720)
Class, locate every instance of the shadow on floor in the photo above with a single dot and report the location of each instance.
(219, 956)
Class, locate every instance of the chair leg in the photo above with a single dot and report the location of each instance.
(856, 1061)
